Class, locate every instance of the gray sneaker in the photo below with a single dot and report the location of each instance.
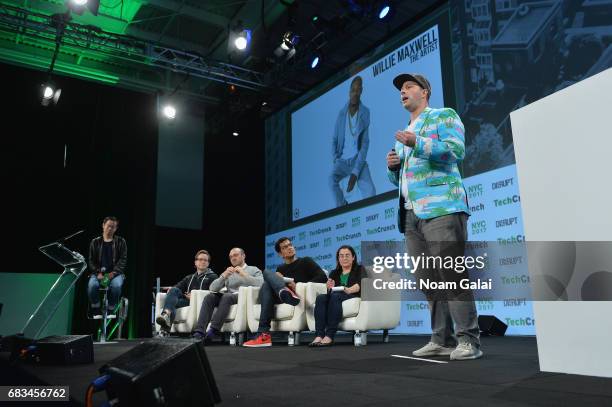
(432, 349)
(466, 351)
(164, 321)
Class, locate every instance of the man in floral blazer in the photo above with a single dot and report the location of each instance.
(433, 212)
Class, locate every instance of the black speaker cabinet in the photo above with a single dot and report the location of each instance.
(491, 326)
(64, 349)
(162, 372)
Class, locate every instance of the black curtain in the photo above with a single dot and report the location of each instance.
(69, 166)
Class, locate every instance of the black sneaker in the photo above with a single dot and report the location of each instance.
(211, 335)
(288, 296)
(164, 322)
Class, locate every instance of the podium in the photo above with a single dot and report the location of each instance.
(74, 265)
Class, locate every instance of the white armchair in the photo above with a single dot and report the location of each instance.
(236, 321)
(186, 317)
(287, 318)
(361, 315)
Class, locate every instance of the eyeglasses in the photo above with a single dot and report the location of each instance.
(201, 259)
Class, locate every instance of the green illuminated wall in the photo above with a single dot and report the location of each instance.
(20, 295)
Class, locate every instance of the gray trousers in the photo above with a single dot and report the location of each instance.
(444, 236)
(215, 308)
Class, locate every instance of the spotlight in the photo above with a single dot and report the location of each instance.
(242, 39)
(49, 94)
(79, 6)
(289, 41)
(314, 62)
(169, 112)
(384, 10)
(235, 134)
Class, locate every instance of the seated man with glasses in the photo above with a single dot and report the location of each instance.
(179, 295)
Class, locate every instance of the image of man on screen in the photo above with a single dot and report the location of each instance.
(350, 147)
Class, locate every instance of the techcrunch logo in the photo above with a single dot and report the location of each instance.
(320, 230)
(380, 229)
(475, 190)
(507, 200)
(520, 321)
(511, 240)
(417, 307)
(348, 236)
(301, 247)
(477, 208)
(522, 279)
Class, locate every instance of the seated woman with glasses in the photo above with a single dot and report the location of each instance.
(343, 283)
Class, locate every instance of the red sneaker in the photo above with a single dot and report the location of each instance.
(261, 341)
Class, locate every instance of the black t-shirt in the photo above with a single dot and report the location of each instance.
(303, 270)
(107, 257)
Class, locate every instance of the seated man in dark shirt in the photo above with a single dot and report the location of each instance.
(276, 290)
(179, 295)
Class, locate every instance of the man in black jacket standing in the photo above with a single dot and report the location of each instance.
(107, 258)
(179, 295)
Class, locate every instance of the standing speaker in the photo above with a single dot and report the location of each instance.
(491, 326)
(162, 372)
(64, 349)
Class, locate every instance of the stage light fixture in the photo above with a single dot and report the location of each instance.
(50, 94)
(385, 10)
(289, 41)
(235, 134)
(169, 112)
(79, 6)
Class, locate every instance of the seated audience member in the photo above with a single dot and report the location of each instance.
(179, 295)
(276, 289)
(328, 307)
(239, 274)
(107, 258)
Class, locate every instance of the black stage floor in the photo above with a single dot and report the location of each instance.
(343, 375)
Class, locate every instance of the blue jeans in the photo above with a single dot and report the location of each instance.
(328, 312)
(268, 297)
(342, 169)
(114, 291)
(174, 299)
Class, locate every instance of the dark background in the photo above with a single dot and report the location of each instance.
(110, 169)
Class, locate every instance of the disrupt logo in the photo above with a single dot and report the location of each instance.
(340, 225)
(389, 213)
(520, 321)
(477, 208)
(507, 200)
(479, 227)
(475, 190)
(522, 279)
(506, 222)
(371, 218)
(313, 245)
(509, 261)
(302, 235)
(356, 221)
(327, 242)
(414, 324)
(515, 302)
(503, 183)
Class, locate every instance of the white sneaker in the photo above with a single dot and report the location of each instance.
(111, 316)
(432, 349)
(466, 351)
